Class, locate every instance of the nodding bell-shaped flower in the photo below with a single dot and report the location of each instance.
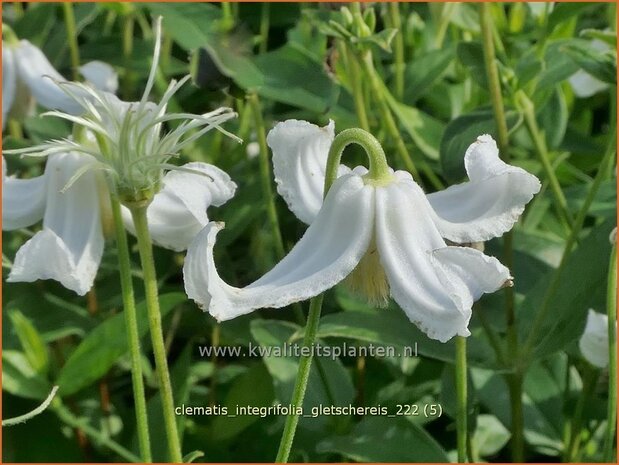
(131, 145)
(27, 74)
(377, 228)
(593, 343)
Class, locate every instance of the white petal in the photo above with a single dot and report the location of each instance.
(101, 75)
(39, 75)
(300, 151)
(330, 249)
(585, 85)
(23, 200)
(69, 247)
(178, 212)
(434, 288)
(490, 203)
(9, 82)
(594, 341)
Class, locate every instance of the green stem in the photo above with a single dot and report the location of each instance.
(357, 87)
(574, 436)
(227, 16)
(269, 198)
(69, 19)
(539, 140)
(498, 108)
(265, 174)
(398, 49)
(18, 9)
(376, 85)
(82, 424)
(515, 386)
(611, 309)
(540, 316)
(448, 9)
(382, 96)
(127, 44)
(461, 388)
(138, 213)
(133, 337)
(378, 168)
(265, 16)
(300, 386)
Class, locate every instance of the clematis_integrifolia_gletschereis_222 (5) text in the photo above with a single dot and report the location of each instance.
(121, 149)
(376, 229)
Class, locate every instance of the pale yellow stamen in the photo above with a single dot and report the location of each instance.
(369, 280)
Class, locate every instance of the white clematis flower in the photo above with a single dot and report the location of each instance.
(26, 73)
(70, 244)
(386, 235)
(593, 343)
(485, 207)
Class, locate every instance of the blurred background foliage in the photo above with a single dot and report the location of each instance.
(289, 56)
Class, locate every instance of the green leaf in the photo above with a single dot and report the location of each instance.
(380, 439)
(100, 350)
(254, 388)
(424, 71)
(19, 379)
(383, 39)
(490, 435)
(471, 55)
(462, 132)
(556, 66)
(31, 342)
(425, 130)
(564, 11)
(329, 382)
(582, 285)
(601, 65)
(553, 118)
(391, 327)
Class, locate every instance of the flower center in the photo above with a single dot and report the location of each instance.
(369, 279)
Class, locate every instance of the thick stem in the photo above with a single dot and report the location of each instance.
(265, 174)
(356, 87)
(378, 168)
(69, 20)
(515, 385)
(138, 213)
(498, 107)
(386, 116)
(539, 140)
(127, 44)
(300, 386)
(611, 309)
(398, 49)
(381, 95)
(461, 388)
(265, 16)
(133, 337)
